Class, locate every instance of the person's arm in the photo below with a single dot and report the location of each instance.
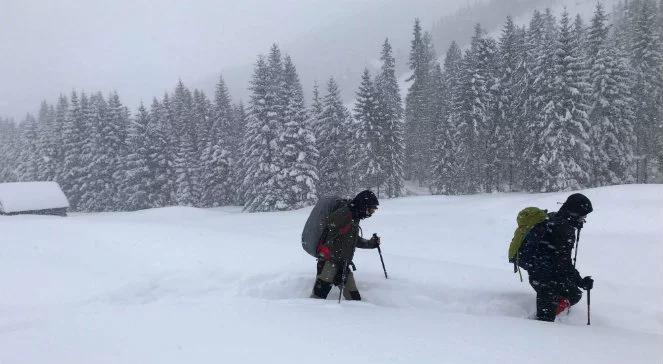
(564, 243)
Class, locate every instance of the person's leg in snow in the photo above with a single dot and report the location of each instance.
(329, 274)
(552, 297)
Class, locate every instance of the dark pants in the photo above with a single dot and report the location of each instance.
(549, 293)
(330, 273)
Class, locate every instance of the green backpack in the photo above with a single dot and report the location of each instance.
(527, 218)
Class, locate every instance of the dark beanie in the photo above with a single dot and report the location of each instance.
(577, 204)
(365, 199)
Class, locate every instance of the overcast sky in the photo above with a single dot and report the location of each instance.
(140, 48)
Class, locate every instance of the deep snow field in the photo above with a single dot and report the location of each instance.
(185, 285)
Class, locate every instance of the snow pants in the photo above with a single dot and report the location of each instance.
(330, 273)
(551, 294)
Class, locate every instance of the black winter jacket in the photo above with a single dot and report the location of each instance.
(547, 249)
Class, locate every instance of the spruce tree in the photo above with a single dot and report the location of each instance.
(237, 134)
(61, 110)
(47, 140)
(8, 150)
(418, 106)
(259, 160)
(138, 175)
(444, 169)
(299, 177)
(73, 134)
(334, 141)
(185, 152)
(390, 111)
(88, 173)
(646, 62)
(611, 119)
(217, 156)
(564, 162)
(541, 48)
(160, 154)
(367, 151)
(29, 152)
(508, 102)
(471, 116)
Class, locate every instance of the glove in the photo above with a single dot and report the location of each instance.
(586, 283)
(375, 240)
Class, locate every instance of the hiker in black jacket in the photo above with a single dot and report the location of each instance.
(546, 255)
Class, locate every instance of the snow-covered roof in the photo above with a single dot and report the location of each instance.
(31, 196)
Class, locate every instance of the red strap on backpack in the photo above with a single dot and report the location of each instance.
(324, 252)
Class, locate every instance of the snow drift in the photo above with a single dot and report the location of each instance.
(178, 285)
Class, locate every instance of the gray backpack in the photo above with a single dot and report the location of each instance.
(314, 228)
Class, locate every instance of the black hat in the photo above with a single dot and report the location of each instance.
(362, 202)
(577, 204)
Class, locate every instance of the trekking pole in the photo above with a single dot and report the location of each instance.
(575, 257)
(344, 276)
(588, 303)
(381, 259)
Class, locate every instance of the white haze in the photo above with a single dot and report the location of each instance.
(140, 48)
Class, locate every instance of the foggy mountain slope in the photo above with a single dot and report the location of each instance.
(343, 48)
(141, 52)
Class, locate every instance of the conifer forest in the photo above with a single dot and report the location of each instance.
(560, 103)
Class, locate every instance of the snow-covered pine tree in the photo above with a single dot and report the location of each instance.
(580, 35)
(61, 109)
(316, 107)
(390, 110)
(160, 154)
(8, 150)
(138, 177)
(29, 152)
(508, 103)
(201, 123)
(646, 61)
(92, 190)
(565, 140)
(611, 118)
(490, 133)
(471, 115)
(418, 105)
(444, 170)
(367, 150)
(260, 145)
(237, 133)
(597, 35)
(611, 107)
(48, 141)
(185, 153)
(104, 195)
(334, 141)
(299, 177)
(264, 187)
(115, 147)
(216, 155)
(541, 41)
(73, 134)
